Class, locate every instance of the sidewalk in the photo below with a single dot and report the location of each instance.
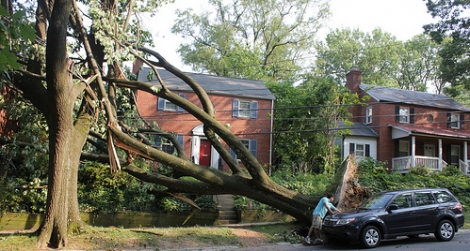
(248, 239)
(276, 246)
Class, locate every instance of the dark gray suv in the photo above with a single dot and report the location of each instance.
(390, 214)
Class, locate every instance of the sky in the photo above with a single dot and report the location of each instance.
(401, 18)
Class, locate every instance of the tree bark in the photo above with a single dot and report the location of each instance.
(53, 231)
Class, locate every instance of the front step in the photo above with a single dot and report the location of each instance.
(227, 222)
(227, 212)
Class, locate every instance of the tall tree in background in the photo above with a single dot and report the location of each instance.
(273, 41)
(452, 31)
(308, 116)
(375, 54)
(419, 65)
(383, 60)
(268, 40)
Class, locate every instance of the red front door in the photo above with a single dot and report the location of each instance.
(205, 153)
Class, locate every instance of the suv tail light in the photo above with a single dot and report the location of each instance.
(459, 206)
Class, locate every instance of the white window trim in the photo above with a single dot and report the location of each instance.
(170, 106)
(165, 105)
(360, 154)
(249, 111)
(242, 111)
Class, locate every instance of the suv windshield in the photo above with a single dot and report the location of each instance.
(376, 202)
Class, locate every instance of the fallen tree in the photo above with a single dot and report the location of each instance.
(54, 82)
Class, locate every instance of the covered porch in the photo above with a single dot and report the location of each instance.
(434, 149)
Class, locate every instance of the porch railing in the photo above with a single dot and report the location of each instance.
(464, 167)
(403, 164)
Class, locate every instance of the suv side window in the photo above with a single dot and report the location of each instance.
(403, 201)
(424, 198)
(442, 197)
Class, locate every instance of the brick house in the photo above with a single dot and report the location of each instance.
(242, 105)
(7, 126)
(413, 128)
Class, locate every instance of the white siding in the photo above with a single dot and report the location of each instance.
(372, 142)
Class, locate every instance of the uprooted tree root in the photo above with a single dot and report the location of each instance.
(349, 192)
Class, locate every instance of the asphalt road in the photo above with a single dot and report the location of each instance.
(461, 242)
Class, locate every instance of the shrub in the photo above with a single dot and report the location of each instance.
(102, 191)
(372, 165)
(451, 170)
(419, 177)
(316, 185)
(420, 171)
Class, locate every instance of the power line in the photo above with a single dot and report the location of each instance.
(172, 114)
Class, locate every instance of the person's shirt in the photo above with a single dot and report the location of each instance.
(321, 210)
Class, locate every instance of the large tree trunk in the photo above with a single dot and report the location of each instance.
(59, 89)
(79, 137)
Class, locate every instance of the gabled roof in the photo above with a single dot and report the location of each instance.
(358, 129)
(386, 94)
(243, 88)
(407, 130)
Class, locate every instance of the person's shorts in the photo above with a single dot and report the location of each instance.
(317, 222)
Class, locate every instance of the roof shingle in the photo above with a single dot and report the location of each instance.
(386, 94)
(213, 84)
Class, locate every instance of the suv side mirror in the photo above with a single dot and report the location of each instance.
(392, 207)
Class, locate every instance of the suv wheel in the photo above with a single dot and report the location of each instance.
(445, 230)
(370, 237)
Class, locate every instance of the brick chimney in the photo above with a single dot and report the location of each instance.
(353, 79)
(136, 67)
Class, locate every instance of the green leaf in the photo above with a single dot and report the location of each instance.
(155, 88)
(27, 32)
(3, 12)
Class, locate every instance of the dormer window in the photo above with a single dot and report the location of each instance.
(369, 115)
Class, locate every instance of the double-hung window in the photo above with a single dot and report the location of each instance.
(454, 120)
(404, 115)
(170, 106)
(360, 151)
(166, 105)
(165, 144)
(245, 109)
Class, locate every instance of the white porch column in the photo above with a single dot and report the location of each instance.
(465, 157)
(439, 164)
(413, 150)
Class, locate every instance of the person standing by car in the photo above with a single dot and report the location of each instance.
(323, 206)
